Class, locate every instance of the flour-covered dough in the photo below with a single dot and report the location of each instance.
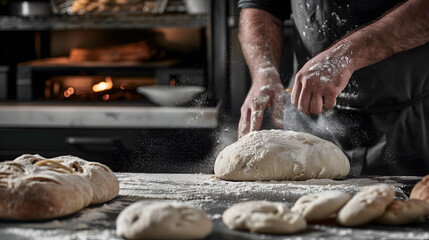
(160, 220)
(404, 211)
(320, 206)
(263, 217)
(366, 206)
(281, 155)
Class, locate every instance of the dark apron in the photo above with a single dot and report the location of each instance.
(381, 120)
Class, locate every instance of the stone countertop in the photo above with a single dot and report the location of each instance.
(215, 196)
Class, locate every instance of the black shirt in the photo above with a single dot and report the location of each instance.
(320, 23)
(384, 127)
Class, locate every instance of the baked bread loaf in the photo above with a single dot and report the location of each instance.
(421, 189)
(404, 211)
(33, 187)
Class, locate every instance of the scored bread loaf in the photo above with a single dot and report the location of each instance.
(33, 187)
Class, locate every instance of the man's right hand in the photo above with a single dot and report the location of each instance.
(265, 92)
(261, 39)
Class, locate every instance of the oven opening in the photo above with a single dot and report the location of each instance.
(94, 88)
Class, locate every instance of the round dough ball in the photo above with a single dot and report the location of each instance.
(367, 205)
(404, 211)
(320, 206)
(154, 220)
(263, 217)
(421, 189)
(281, 155)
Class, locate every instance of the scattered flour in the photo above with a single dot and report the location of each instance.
(211, 194)
(268, 70)
(332, 64)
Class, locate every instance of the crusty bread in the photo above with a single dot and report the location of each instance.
(421, 189)
(404, 211)
(33, 187)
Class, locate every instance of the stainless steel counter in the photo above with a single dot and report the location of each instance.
(214, 196)
(39, 115)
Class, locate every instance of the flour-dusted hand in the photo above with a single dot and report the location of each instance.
(266, 92)
(320, 80)
(261, 40)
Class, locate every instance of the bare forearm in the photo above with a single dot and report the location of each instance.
(261, 41)
(403, 28)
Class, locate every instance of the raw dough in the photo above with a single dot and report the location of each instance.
(154, 220)
(421, 190)
(367, 205)
(404, 211)
(281, 155)
(263, 217)
(33, 187)
(320, 206)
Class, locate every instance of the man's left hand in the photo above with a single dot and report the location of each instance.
(320, 80)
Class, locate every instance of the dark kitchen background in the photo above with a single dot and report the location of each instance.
(139, 85)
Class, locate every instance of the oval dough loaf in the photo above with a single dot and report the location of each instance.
(281, 155)
(367, 205)
(33, 187)
(421, 190)
(263, 217)
(320, 206)
(154, 220)
(404, 211)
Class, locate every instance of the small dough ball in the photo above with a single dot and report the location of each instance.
(154, 220)
(320, 206)
(280, 155)
(421, 190)
(263, 217)
(405, 211)
(366, 205)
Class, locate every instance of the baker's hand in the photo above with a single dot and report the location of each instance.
(320, 80)
(263, 93)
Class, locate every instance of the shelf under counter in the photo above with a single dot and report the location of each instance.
(66, 115)
(67, 22)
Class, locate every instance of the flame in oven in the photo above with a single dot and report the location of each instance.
(68, 92)
(103, 86)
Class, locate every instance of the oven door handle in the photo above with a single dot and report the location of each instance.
(91, 140)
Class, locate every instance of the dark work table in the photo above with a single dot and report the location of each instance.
(215, 196)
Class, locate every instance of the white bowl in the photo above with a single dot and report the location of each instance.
(169, 95)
